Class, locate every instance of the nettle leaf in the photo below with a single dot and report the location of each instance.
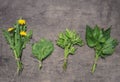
(91, 42)
(89, 31)
(96, 32)
(108, 51)
(101, 37)
(42, 49)
(106, 33)
(100, 40)
(98, 46)
(89, 37)
(109, 46)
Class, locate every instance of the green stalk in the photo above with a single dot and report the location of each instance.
(19, 63)
(65, 64)
(95, 63)
(19, 66)
(66, 53)
(15, 54)
(40, 64)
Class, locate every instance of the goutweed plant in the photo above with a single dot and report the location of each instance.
(17, 37)
(103, 44)
(67, 40)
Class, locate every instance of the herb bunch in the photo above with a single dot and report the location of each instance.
(67, 40)
(41, 50)
(17, 37)
(103, 44)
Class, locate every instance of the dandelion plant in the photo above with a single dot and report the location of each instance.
(103, 44)
(41, 50)
(17, 37)
(67, 40)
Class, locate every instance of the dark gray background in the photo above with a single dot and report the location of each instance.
(49, 17)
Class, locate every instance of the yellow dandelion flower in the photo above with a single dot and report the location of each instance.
(10, 29)
(21, 21)
(23, 33)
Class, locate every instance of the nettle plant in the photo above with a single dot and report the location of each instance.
(103, 44)
(67, 40)
(17, 37)
(41, 50)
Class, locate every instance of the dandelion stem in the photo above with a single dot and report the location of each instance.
(19, 66)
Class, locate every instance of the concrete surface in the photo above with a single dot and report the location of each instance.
(49, 17)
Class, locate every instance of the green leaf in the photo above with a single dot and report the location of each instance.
(67, 40)
(67, 37)
(109, 46)
(27, 38)
(101, 38)
(72, 50)
(101, 41)
(60, 43)
(98, 46)
(79, 41)
(29, 34)
(107, 33)
(91, 42)
(7, 36)
(89, 37)
(42, 49)
(108, 50)
(69, 33)
(96, 32)
(89, 31)
(109, 43)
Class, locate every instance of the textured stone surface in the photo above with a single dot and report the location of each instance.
(49, 17)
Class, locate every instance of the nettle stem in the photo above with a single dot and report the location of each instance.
(95, 63)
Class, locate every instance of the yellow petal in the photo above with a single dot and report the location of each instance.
(21, 21)
(10, 29)
(23, 33)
